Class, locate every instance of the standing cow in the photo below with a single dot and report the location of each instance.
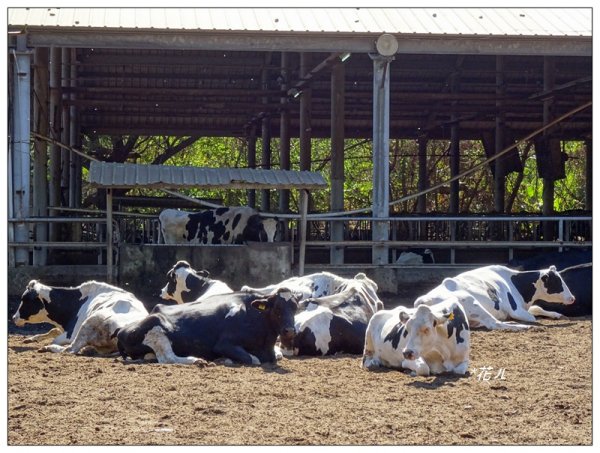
(86, 315)
(500, 293)
(426, 340)
(233, 225)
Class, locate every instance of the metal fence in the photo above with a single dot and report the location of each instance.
(87, 232)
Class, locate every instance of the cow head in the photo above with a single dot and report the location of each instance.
(550, 287)
(421, 330)
(184, 284)
(32, 308)
(280, 309)
(370, 288)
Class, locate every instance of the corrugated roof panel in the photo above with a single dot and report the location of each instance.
(459, 21)
(108, 174)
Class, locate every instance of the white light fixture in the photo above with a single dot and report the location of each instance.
(386, 45)
(345, 56)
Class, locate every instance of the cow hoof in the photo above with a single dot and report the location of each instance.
(30, 340)
(201, 363)
(44, 349)
(224, 362)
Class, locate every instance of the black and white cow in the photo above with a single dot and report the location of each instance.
(322, 284)
(426, 340)
(184, 284)
(233, 225)
(579, 280)
(561, 260)
(413, 257)
(500, 293)
(333, 324)
(86, 315)
(240, 326)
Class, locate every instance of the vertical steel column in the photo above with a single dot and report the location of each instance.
(284, 132)
(381, 154)
(499, 167)
(40, 157)
(252, 162)
(54, 123)
(588, 175)
(302, 227)
(337, 158)
(265, 162)
(65, 135)
(20, 150)
(548, 114)
(454, 149)
(423, 182)
(305, 112)
(109, 235)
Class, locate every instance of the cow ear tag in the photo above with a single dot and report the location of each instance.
(261, 307)
(451, 317)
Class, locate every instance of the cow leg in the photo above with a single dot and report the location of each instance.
(536, 310)
(235, 353)
(369, 361)
(479, 316)
(156, 339)
(461, 368)
(52, 333)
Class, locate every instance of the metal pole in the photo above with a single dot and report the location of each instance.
(284, 133)
(548, 113)
(109, 236)
(265, 199)
(54, 125)
(381, 154)
(423, 182)
(66, 126)
(337, 158)
(21, 146)
(252, 162)
(454, 149)
(303, 212)
(40, 162)
(588, 175)
(499, 172)
(305, 111)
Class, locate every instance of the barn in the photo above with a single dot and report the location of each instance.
(273, 77)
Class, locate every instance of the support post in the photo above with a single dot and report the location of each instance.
(109, 235)
(454, 149)
(55, 151)
(20, 149)
(548, 115)
(66, 127)
(423, 182)
(252, 162)
(40, 157)
(588, 175)
(381, 154)
(337, 158)
(305, 112)
(303, 213)
(499, 167)
(284, 133)
(265, 200)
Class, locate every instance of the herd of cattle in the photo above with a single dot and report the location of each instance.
(317, 314)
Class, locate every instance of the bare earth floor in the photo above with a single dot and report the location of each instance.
(545, 397)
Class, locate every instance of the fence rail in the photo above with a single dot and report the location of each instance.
(453, 233)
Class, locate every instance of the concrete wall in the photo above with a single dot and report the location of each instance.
(143, 269)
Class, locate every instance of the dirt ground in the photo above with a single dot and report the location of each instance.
(537, 392)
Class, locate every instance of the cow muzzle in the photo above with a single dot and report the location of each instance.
(17, 320)
(570, 300)
(287, 334)
(409, 354)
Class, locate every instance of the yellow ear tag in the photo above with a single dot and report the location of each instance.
(261, 306)
(451, 317)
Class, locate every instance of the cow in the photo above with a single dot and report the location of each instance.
(500, 293)
(184, 284)
(242, 327)
(227, 225)
(321, 284)
(86, 315)
(426, 340)
(333, 324)
(579, 280)
(415, 257)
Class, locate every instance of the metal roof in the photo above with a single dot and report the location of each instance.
(427, 21)
(124, 176)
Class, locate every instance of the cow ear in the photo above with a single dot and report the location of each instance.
(544, 278)
(262, 304)
(203, 273)
(440, 319)
(404, 317)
